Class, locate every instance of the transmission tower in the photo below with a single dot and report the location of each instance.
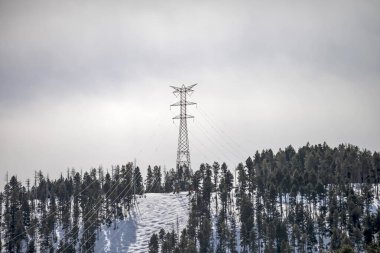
(183, 151)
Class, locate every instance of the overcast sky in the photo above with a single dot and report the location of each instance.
(86, 83)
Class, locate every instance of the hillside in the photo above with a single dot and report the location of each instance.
(314, 199)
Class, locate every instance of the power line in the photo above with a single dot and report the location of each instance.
(148, 140)
(111, 203)
(97, 209)
(220, 131)
(109, 192)
(212, 151)
(222, 137)
(141, 217)
(43, 219)
(95, 220)
(215, 143)
(206, 149)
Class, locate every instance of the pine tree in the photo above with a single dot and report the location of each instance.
(206, 191)
(193, 220)
(161, 235)
(376, 169)
(138, 181)
(90, 203)
(204, 235)
(247, 222)
(242, 184)
(251, 180)
(149, 180)
(183, 242)
(222, 232)
(14, 225)
(157, 179)
(187, 174)
(169, 181)
(232, 235)
(153, 244)
(127, 186)
(76, 210)
(215, 169)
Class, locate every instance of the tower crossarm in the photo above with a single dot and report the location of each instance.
(180, 103)
(183, 88)
(176, 89)
(191, 86)
(187, 116)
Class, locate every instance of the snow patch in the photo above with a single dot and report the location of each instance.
(154, 211)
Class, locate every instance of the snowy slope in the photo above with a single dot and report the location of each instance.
(155, 211)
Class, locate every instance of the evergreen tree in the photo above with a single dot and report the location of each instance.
(204, 235)
(376, 169)
(13, 218)
(138, 181)
(157, 179)
(247, 222)
(149, 180)
(222, 232)
(153, 244)
(169, 180)
(206, 191)
(232, 244)
(215, 169)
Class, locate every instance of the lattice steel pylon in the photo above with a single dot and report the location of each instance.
(183, 151)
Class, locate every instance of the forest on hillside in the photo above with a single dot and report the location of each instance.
(314, 199)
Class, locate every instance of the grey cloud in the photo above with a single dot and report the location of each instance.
(74, 75)
(86, 47)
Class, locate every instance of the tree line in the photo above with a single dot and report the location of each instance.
(315, 199)
(77, 204)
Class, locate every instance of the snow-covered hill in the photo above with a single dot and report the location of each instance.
(155, 211)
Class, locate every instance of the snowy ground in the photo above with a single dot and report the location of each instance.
(156, 211)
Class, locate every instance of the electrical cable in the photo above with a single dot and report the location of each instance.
(48, 216)
(115, 186)
(215, 144)
(218, 130)
(231, 149)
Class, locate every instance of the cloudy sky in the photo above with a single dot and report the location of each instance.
(86, 83)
